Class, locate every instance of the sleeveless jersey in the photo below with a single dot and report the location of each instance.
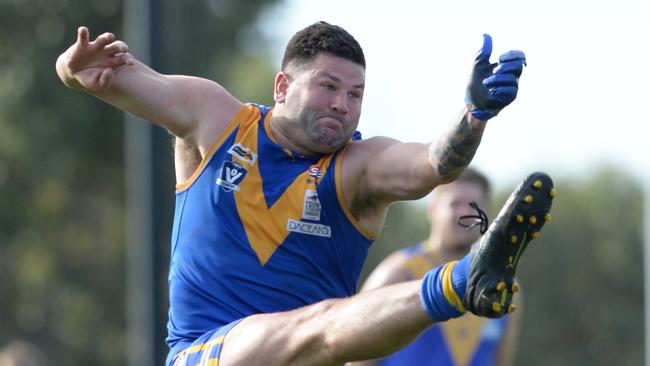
(258, 229)
(465, 341)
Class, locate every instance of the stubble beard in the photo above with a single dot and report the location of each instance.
(319, 137)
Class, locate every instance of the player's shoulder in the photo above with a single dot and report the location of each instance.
(414, 250)
(396, 260)
(389, 271)
(224, 112)
(371, 145)
(359, 153)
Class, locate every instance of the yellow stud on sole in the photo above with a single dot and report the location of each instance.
(513, 239)
(511, 308)
(501, 286)
(547, 217)
(533, 220)
(535, 235)
(520, 219)
(528, 199)
(515, 288)
(552, 193)
(496, 307)
(537, 184)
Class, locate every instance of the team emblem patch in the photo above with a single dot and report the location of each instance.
(242, 153)
(231, 175)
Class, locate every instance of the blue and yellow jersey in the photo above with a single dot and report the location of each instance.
(465, 341)
(258, 229)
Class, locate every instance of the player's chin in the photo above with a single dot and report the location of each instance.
(465, 240)
(328, 141)
(325, 148)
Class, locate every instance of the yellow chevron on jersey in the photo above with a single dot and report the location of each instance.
(266, 228)
(462, 336)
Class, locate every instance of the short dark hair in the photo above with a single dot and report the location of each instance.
(470, 175)
(322, 37)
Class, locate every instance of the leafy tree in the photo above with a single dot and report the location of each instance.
(62, 267)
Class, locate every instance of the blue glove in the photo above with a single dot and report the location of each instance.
(493, 86)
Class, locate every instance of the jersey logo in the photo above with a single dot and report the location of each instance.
(315, 172)
(309, 228)
(242, 153)
(231, 175)
(311, 205)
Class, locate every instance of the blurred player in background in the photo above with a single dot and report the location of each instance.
(468, 340)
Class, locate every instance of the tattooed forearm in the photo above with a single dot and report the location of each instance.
(455, 149)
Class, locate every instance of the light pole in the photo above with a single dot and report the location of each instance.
(148, 200)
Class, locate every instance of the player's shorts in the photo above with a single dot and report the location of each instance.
(205, 350)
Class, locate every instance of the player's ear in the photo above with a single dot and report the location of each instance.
(280, 87)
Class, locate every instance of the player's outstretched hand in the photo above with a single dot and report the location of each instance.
(90, 65)
(493, 86)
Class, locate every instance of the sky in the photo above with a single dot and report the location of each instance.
(583, 98)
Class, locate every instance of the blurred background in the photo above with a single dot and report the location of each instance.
(66, 181)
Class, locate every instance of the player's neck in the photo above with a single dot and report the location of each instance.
(435, 246)
(281, 134)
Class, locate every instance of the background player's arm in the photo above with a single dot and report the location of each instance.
(105, 69)
(388, 272)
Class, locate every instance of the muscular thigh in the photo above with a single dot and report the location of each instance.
(292, 338)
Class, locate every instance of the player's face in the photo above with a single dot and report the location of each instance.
(325, 99)
(450, 203)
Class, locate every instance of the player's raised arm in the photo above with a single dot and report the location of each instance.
(392, 171)
(104, 68)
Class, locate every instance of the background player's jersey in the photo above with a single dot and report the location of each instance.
(465, 341)
(258, 229)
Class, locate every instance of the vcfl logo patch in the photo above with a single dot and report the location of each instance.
(231, 175)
